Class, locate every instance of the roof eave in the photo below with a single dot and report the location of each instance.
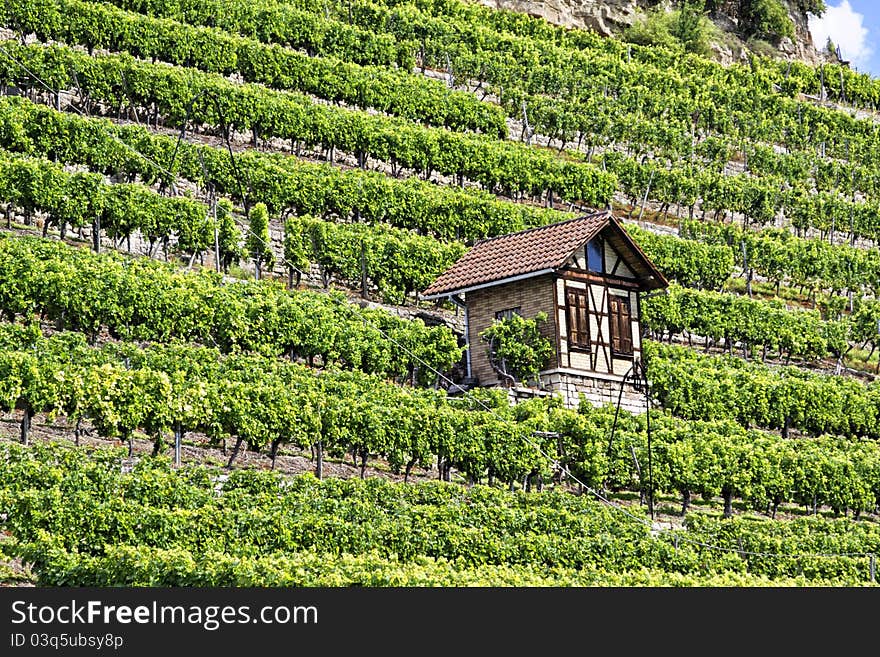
(653, 283)
(656, 274)
(481, 286)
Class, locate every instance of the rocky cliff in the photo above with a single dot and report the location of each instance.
(610, 17)
(802, 47)
(604, 16)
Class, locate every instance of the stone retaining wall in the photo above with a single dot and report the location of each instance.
(571, 387)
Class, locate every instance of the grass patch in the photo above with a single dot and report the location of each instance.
(863, 360)
(767, 291)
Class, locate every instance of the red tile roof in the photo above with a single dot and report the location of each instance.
(525, 252)
(530, 251)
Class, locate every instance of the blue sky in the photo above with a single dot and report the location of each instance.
(854, 25)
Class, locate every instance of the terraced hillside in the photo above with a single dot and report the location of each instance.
(218, 220)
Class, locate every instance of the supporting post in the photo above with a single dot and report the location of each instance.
(319, 460)
(96, 234)
(527, 129)
(645, 197)
(178, 437)
(648, 430)
(216, 234)
(364, 286)
(746, 268)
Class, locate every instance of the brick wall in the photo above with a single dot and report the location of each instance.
(532, 295)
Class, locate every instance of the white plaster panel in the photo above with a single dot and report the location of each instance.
(603, 360)
(579, 360)
(621, 367)
(597, 293)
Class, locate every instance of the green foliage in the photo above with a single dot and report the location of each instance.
(210, 49)
(768, 18)
(74, 200)
(685, 27)
(692, 28)
(123, 387)
(494, 163)
(78, 520)
(517, 346)
(258, 241)
(830, 48)
(688, 262)
(729, 319)
(281, 182)
(146, 299)
(127, 565)
(653, 28)
(815, 7)
(779, 256)
(704, 387)
(229, 237)
(667, 124)
(297, 254)
(399, 262)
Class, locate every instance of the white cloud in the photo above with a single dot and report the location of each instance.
(846, 29)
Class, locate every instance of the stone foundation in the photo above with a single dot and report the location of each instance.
(517, 394)
(571, 387)
(598, 392)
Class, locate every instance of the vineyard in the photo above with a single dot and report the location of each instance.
(217, 367)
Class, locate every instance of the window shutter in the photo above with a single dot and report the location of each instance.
(626, 346)
(578, 327)
(621, 325)
(614, 323)
(574, 327)
(583, 320)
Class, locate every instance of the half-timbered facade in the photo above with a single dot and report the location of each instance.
(586, 274)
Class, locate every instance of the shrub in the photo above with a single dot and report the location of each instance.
(516, 346)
